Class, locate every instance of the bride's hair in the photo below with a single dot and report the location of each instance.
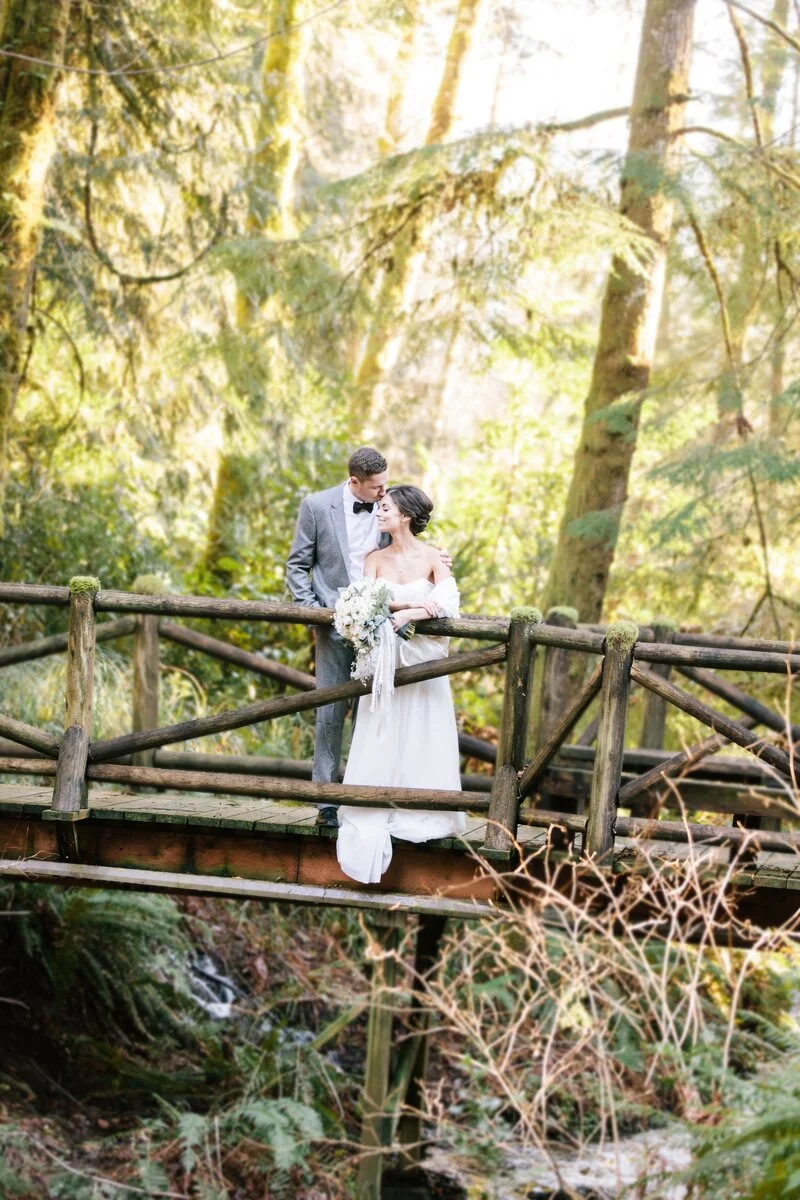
(412, 503)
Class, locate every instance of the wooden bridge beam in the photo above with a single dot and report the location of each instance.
(57, 644)
(560, 732)
(734, 731)
(654, 721)
(387, 929)
(501, 829)
(266, 710)
(146, 672)
(69, 793)
(599, 835)
(426, 963)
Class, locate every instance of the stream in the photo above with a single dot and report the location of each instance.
(597, 1173)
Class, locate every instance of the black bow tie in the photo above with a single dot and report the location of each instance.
(363, 506)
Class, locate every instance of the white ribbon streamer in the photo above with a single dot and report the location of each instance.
(383, 679)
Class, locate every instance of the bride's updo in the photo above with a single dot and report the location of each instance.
(412, 502)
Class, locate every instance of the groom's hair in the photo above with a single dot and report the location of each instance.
(412, 503)
(365, 462)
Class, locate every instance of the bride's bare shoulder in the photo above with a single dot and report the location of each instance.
(372, 564)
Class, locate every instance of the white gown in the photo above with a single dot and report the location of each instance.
(418, 750)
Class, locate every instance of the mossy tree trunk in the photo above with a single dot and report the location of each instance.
(270, 185)
(394, 284)
(749, 294)
(629, 318)
(36, 28)
(773, 73)
(391, 135)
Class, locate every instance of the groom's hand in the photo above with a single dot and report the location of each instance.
(445, 557)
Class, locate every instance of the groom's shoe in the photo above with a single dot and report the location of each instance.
(328, 818)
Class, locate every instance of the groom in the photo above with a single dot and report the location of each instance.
(336, 530)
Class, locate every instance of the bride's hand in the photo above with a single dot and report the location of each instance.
(430, 608)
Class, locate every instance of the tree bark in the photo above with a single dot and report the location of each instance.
(270, 202)
(28, 92)
(631, 304)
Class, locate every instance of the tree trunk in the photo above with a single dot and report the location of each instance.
(395, 281)
(270, 203)
(36, 28)
(392, 133)
(631, 304)
(772, 75)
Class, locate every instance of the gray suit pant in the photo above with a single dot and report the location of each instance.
(334, 658)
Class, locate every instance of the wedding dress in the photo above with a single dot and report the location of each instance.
(418, 748)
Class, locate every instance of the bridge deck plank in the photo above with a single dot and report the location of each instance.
(771, 870)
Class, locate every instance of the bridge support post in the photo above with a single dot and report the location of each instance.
(146, 666)
(375, 1124)
(655, 715)
(501, 830)
(69, 793)
(409, 1124)
(598, 839)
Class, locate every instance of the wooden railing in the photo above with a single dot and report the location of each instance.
(625, 656)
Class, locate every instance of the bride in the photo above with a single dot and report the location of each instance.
(420, 747)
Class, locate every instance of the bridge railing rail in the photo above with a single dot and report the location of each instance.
(624, 655)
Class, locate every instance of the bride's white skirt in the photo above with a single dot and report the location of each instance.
(419, 750)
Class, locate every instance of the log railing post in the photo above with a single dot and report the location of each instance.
(387, 928)
(69, 793)
(553, 689)
(599, 835)
(551, 682)
(146, 667)
(501, 829)
(655, 714)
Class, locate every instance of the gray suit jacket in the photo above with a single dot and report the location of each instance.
(317, 564)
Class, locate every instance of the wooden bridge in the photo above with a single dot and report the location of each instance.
(126, 812)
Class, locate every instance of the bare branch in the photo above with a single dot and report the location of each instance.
(744, 54)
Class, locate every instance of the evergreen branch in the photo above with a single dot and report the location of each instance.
(166, 69)
(786, 176)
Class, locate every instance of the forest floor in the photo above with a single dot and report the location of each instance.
(90, 1120)
(247, 1085)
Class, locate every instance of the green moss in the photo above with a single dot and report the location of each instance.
(149, 585)
(84, 583)
(622, 634)
(664, 623)
(528, 613)
(563, 610)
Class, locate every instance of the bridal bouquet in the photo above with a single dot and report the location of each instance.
(362, 618)
(361, 610)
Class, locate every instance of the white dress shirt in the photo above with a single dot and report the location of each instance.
(362, 533)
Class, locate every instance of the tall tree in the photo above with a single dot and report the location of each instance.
(395, 280)
(269, 216)
(36, 29)
(624, 357)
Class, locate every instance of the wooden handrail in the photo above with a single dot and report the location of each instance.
(57, 644)
(267, 710)
(734, 731)
(226, 652)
